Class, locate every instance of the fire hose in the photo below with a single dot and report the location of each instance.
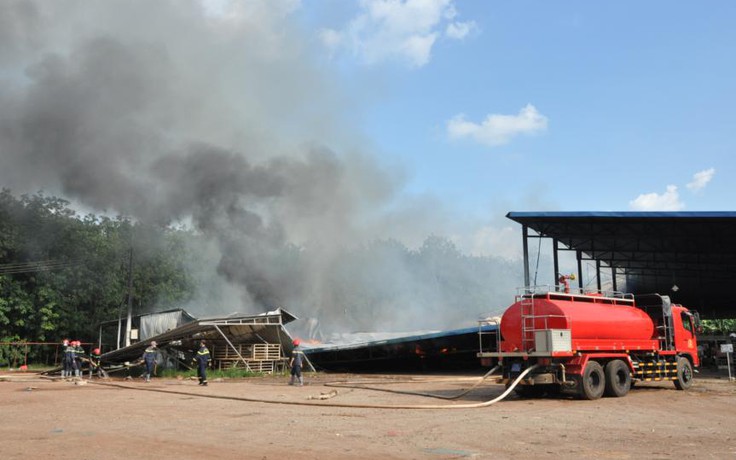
(361, 385)
(503, 395)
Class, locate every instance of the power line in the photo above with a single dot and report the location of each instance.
(38, 266)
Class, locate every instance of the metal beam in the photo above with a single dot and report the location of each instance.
(525, 244)
(613, 277)
(247, 367)
(578, 256)
(555, 248)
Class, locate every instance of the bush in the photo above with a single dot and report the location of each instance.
(11, 355)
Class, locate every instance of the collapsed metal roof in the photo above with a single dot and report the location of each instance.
(265, 327)
(432, 351)
(656, 251)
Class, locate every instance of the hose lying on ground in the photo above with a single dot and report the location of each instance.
(361, 385)
(509, 389)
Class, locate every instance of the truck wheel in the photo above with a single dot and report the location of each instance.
(594, 381)
(618, 378)
(684, 374)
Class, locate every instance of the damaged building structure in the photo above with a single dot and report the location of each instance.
(254, 342)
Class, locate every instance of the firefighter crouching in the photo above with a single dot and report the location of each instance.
(95, 364)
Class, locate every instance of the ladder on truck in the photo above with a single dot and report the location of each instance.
(659, 308)
(527, 321)
(666, 333)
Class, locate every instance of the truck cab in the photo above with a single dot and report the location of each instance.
(684, 327)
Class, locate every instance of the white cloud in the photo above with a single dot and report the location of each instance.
(460, 30)
(404, 30)
(668, 201)
(332, 39)
(701, 179)
(498, 129)
(239, 11)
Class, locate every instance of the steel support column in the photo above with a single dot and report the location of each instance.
(613, 277)
(555, 259)
(525, 244)
(579, 257)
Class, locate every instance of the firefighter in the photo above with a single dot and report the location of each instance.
(79, 356)
(67, 358)
(297, 358)
(149, 358)
(202, 358)
(95, 364)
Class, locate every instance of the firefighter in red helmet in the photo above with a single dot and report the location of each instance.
(95, 364)
(296, 362)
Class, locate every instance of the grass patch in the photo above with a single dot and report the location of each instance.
(232, 373)
(32, 367)
(40, 367)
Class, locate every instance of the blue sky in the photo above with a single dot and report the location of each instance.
(588, 105)
(445, 114)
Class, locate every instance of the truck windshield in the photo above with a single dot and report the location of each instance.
(686, 321)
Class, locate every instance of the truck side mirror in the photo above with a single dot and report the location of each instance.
(698, 324)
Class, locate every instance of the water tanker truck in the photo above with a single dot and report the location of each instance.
(593, 344)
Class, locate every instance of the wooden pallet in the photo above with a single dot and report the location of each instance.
(266, 351)
(261, 357)
(226, 352)
(267, 367)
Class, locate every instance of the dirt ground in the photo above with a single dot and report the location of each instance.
(44, 419)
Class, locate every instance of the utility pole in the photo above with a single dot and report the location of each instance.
(130, 298)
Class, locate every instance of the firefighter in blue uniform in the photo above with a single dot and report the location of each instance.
(67, 359)
(203, 358)
(149, 357)
(297, 359)
(78, 358)
(95, 364)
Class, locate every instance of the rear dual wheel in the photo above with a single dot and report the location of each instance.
(618, 379)
(593, 382)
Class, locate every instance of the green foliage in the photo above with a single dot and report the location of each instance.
(718, 326)
(84, 281)
(10, 355)
(83, 275)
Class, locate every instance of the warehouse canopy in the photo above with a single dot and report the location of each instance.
(151, 324)
(690, 256)
(234, 329)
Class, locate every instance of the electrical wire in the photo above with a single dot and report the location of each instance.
(37, 266)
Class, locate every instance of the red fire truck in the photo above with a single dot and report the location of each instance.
(594, 344)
